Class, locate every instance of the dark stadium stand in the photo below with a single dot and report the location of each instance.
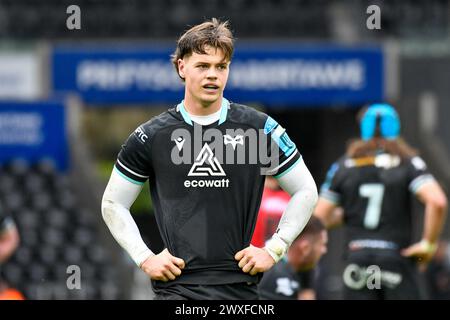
(162, 19)
(411, 19)
(55, 233)
(58, 214)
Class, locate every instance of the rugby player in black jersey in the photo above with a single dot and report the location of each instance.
(374, 183)
(206, 160)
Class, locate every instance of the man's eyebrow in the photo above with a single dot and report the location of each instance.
(204, 62)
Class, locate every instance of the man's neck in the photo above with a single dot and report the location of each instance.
(196, 108)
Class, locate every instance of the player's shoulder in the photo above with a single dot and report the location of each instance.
(338, 168)
(416, 163)
(144, 133)
(340, 163)
(153, 125)
(247, 115)
(165, 119)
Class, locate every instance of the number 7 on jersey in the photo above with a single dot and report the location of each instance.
(374, 192)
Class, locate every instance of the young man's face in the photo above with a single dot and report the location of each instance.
(205, 75)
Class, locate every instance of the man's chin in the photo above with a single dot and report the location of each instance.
(210, 99)
(305, 267)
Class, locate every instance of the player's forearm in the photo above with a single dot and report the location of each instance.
(435, 215)
(302, 188)
(297, 214)
(328, 213)
(124, 229)
(117, 200)
(435, 201)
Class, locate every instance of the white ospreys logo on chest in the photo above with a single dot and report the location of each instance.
(238, 139)
(206, 164)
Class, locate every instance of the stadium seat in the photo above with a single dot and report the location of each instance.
(55, 232)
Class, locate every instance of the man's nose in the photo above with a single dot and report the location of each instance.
(211, 73)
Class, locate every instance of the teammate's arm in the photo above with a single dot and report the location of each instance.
(118, 197)
(329, 213)
(9, 238)
(432, 195)
(435, 201)
(299, 183)
(328, 208)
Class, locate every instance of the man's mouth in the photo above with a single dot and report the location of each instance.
(210, 87)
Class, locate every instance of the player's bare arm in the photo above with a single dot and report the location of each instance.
(329, 213)
(435, 201)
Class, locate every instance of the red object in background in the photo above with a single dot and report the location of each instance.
(11, 294)
(273, 204)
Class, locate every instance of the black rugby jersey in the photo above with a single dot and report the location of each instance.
(281, 282)
(206, 183)
(375, 193)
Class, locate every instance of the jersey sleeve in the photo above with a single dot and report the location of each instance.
(330, 189)
(284, 154)
(134, 159)
(419, 174)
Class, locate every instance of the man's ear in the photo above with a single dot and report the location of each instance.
(181, 68)
(304, 246)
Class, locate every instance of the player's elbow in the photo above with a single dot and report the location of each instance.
(314, 194)
(439, 201)
(311, 195)
(108, 210)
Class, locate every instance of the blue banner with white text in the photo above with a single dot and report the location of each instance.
(33, 131)
(269, 74)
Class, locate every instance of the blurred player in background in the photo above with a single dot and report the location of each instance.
(374, 183)
(206, 210)
(284, 281)
(9, 241)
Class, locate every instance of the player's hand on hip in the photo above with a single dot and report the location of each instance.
(163, 266)
(253, 260)
(423, 251)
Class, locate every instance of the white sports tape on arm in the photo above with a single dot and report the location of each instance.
(299, 183)
(117, 199)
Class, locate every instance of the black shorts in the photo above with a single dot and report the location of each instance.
(376, 274)
(232, 291)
